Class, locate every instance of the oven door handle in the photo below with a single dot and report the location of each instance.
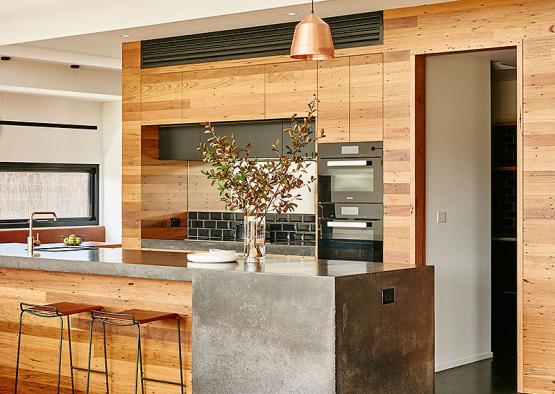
(349, 163)
(349, 224)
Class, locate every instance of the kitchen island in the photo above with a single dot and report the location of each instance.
(293, 325)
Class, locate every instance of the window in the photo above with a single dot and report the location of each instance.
(69, 190)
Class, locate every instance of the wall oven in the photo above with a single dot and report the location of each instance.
(350, 201)
(350, 173)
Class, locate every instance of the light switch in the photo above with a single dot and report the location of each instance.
(442, 217)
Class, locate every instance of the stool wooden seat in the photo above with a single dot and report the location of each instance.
(67, 308)
(136, 318)
(55, 310)
(140, 316)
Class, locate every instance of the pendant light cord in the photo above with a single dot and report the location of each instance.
(312, 9)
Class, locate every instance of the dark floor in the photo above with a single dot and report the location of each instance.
(491, 376)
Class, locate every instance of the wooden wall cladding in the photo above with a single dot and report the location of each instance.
(203, 197)
(161, 98)
(217, 95)
(131, 145)
(396, 163)
(289, 87)
(333, 99)
(366, 98)
(163, 190)
(38, 368)
(538, 281)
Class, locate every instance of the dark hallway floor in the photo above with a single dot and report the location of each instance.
(491, 376)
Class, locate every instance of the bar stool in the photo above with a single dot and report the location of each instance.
(136, 318)
(59, 310)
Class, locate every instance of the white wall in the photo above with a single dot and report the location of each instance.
(48, 145)
(458, 163)
(111, 160)
(44, 145)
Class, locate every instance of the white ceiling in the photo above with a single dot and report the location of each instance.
(91, 32)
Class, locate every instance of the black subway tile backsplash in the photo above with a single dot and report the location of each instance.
(215, 215)
(228, 216)
(222, 224)
(228, 226)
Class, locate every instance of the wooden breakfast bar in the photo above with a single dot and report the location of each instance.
(296, 325)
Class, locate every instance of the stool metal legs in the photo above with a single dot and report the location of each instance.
(140, 350)
(45, 312)
(126, 320)
(105, 355)
(70, 354)
(180, 356)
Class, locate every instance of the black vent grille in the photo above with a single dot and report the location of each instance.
(348, 31)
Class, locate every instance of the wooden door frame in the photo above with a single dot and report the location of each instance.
(418, 177)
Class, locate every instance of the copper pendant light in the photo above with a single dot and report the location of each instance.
(312, 39)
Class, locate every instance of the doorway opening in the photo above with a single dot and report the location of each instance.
(466, 213)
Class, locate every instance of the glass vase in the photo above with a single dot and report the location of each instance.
(255, 238)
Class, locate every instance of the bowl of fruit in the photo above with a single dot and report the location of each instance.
(73, 240)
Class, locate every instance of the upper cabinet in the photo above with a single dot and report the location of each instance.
(350, 94)
(290, 87)
(366, 98)
(333, 99)
(349, 90)
(235, 93)
(161, 98)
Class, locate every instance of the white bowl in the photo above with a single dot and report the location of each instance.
(210, 257)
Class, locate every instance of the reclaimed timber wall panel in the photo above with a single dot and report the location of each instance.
(131, 145)
(218, 95)
(396, 162)
(538, 285)
(366, 98)
(289, 87)
(163, 190)
(38, 366)
(161, 99)
(333, 99)
(203, 196)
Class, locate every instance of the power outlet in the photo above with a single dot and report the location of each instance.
(442, 217)
(388, 296)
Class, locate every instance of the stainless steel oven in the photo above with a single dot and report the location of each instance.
(350, 231)
(350, 201)
(351, 173)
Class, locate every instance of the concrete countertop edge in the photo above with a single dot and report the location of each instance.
(139, 271)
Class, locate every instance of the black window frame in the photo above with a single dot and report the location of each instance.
(94, 187)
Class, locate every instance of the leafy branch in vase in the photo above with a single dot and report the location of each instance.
(256, 186)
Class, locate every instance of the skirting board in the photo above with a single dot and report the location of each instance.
(462, 361)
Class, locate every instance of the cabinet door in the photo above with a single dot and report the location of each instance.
(366, 98)
(290, 87)
(261, 135)
(161, 99)
(181, 142)
(235, 93)
(333, 96)
(202, 195)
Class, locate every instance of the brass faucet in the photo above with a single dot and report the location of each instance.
(30, 239)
